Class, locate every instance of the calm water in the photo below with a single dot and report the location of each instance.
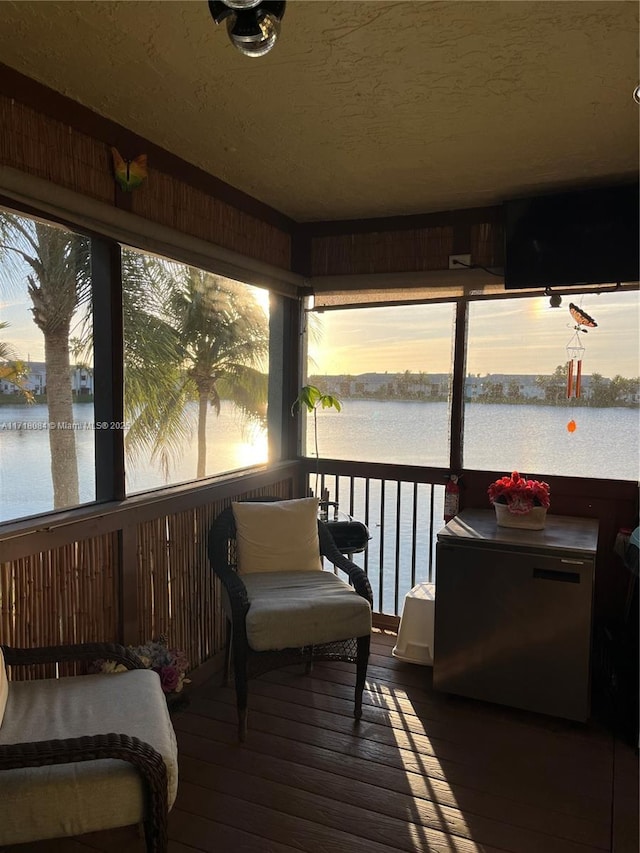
(25, 479)
(531, 439)
(606, 443)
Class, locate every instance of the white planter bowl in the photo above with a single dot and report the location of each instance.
(533, 520)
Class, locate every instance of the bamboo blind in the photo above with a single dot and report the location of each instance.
(72, 593)
(487, 248)
(46, 147)
(52, 150)
(177, 205)
(55, 151)
(178, 593)
(65, 595)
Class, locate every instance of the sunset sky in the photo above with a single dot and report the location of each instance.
(508, 336)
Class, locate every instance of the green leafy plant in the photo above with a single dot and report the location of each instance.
(312, 399)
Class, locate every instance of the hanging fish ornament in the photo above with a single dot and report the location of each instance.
(129, 173)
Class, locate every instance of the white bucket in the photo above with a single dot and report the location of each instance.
(415, 635)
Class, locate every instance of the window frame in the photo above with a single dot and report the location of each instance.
(460, 335)
(108, 349)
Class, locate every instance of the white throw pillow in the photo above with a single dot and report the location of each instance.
(4, 687)
(277, 536)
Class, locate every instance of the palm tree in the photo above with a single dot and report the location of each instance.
(600, 391)
(189, 335)
(153, 404)
(56, 264)
(623, 391)
(220, 342)
(13, 370)
(6, 350)
(554, 385)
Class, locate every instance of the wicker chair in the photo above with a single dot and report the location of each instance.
(64, 770)
(247, 661)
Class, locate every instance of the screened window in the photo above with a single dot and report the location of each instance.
(47, 446)
(524, 407)
(196, 372)
(391, 368)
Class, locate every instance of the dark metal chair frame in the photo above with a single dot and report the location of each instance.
(248, 663)
(148, 762)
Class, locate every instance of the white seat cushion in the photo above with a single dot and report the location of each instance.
(277, 536)
(70, 799)
(293, 609)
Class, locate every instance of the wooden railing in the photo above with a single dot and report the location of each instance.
(403, 508)
(130, 571)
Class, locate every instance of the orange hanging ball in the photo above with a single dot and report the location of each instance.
(572, 426)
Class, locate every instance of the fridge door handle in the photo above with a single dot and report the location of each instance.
(554, 575)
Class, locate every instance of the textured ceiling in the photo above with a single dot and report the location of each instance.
(362, 108)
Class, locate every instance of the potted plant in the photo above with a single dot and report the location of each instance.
(312, 398)
(519, 502)
(170, 664)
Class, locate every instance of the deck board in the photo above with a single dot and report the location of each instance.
(421, 772)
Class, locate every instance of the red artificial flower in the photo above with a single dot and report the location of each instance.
(519, 495)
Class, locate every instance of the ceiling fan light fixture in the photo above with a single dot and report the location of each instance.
(242, 4)
(253, 27)
(254, 35)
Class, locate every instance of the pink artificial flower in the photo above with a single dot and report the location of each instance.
(169, 678)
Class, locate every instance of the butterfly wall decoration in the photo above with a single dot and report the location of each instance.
(129, 173)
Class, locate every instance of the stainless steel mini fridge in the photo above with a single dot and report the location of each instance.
(513, 612)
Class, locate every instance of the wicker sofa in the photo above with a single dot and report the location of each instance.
(84, 753)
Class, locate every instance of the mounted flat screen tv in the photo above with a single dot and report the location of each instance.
(572, 239)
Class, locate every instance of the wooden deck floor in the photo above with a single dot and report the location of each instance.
(422, 772)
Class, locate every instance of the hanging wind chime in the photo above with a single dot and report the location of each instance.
(575, 351)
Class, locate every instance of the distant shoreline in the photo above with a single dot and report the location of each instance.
(581, 402)
(504, 389)
(38, 399)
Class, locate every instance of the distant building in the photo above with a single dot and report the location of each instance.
(498, 387)
(81, 378)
